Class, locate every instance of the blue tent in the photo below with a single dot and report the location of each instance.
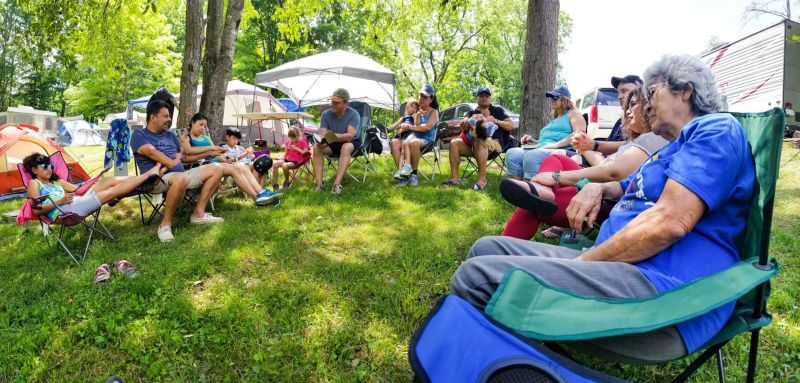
(290, 105)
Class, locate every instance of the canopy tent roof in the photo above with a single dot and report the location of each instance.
(234, 87)
(311, 80)
(274, 116)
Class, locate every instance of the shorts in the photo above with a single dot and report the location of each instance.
(467, 150)
(82, 206)
(195, 179)
(336, 147)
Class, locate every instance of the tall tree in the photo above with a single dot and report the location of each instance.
(221, 32)
(759, 8)
(193, 48)
(539, 65)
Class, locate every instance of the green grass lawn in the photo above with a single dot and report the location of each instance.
(319, 289)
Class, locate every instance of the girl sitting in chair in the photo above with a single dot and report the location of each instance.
(62, 198)
(297, 153)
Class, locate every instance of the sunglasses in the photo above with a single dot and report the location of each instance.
(47, 166)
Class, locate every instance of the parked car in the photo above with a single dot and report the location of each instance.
(600, 108)
(454, 114)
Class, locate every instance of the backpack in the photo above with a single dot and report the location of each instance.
(459, 343)
(372, 141)
(163, 94)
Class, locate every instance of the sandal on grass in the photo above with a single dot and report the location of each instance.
(516, 194)
(102, 273)
(553, 232)
(126, 268)
(449, 183)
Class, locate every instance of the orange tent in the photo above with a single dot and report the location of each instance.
(19, 141)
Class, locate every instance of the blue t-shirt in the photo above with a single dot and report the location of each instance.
(329, 121)
(165, 142)
(712, 158)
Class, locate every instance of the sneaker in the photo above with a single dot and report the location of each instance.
(413, 181)
(102, 273)
(403, 182)
(319, 188)
(286, 185)
(398, 175)
(406, 170)
(275, 188)
(266, 197)
(336, 189)
(165, 234)
(207, 218)
(126, 268)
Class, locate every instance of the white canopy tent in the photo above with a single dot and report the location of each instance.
(311, 80)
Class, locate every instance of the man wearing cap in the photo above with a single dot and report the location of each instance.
(480, 149)
(343, 121)
(623, 85)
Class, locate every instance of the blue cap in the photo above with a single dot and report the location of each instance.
(558, 92)
(481, 90)
(427, 90)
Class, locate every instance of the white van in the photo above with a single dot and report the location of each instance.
(600, 108)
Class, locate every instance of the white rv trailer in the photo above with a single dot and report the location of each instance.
(761, 71)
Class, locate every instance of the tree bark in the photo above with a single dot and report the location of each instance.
(192, 55)
(539, 64)
(220, 43)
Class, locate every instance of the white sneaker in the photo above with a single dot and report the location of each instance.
(207, 218)
(406, 170)
(165, 234)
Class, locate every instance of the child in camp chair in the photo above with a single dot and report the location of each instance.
(46, 183)
(297, 153)
(403, 127)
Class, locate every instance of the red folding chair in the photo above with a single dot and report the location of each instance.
(64, 220)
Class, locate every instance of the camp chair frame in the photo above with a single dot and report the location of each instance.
(434, 147)
(746, 282)
(190, 198)
(496, 158)
(67, 221)
(302, 172)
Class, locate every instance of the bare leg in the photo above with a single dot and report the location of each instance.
(481, 151)
(252, 180)
(344, 162)
(177, 188)
(123, 185)
(318, 160)
(455, 159)
(397, 152)
(287, 169)
(211, 176)
(276, 166)
(413, 150)
(233, 171)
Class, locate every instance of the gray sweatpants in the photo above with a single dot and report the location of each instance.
(490, 257)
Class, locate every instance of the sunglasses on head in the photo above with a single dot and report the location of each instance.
(47, 166)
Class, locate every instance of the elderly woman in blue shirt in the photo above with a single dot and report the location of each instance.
(676, 220)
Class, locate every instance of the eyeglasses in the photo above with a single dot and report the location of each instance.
(336, 102)
(651, 91)
(47, 166)
(422, 96)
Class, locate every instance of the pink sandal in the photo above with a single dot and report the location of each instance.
(102, 273)
(126, 268)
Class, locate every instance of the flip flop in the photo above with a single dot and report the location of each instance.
(553, 232)
(102, 273)
(529, 199)
(449, 183)
(126, 268)
(477, 187)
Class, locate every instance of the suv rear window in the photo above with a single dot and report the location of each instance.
(607, 96)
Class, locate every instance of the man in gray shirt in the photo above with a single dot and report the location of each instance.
(343, 121)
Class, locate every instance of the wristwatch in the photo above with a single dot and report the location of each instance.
(582, 182)
(596, 145)
(556, 175)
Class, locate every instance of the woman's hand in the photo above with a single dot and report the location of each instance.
(585, 204)
(526, 139)
(544, 178)
(580, 141)
(66, 199)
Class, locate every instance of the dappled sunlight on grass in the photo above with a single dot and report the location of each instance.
(320, 288)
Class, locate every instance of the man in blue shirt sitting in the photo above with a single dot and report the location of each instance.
(156, 144)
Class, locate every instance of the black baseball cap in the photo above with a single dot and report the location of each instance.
(629, 79)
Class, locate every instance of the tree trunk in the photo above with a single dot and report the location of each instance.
(539, 65)
(220, 42)
(192, 55)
